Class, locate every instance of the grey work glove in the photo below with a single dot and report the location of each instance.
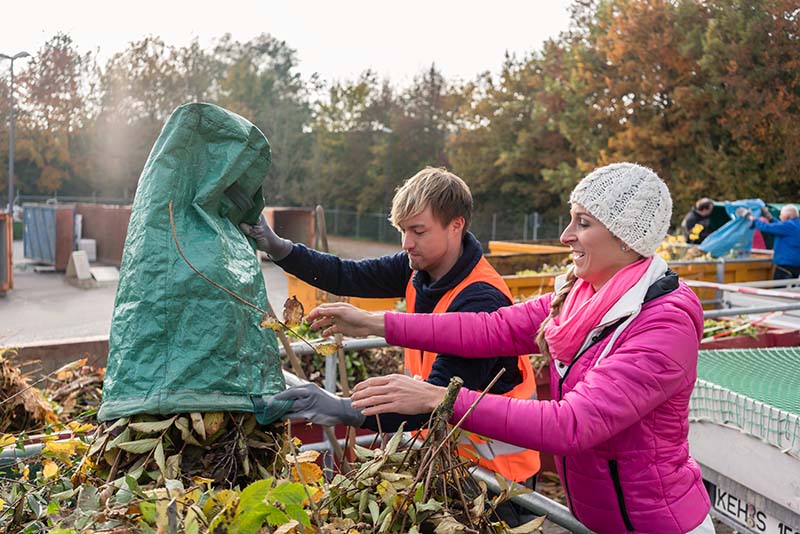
(266, 239)
(766, 213)
(319, 406)
(743, 212)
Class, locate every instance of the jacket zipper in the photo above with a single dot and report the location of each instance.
(614, 469)
(597, 337)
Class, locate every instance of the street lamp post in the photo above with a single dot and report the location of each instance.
(11, 132)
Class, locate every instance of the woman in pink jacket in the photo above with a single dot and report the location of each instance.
(622, 333)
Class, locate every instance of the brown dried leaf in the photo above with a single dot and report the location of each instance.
(293, 312)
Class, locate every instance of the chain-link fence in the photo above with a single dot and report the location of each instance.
(486, 226)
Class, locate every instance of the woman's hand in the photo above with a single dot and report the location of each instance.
(396, 394)
(343, 318)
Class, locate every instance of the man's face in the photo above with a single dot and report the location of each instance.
(429, 244)
(787, 212)
(706, 210)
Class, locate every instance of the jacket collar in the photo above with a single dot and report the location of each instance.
(632, 300)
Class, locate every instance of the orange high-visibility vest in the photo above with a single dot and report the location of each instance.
(514, 463)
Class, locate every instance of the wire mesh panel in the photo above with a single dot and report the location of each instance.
(755, 390)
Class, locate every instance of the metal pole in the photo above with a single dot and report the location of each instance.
(494, 225)
(11, 144)
(525, 228)
(751, 310)
(301, 348)
(11, 131)
(536, 503)
(536, 226)
(743, 289)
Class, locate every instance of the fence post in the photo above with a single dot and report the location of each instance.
(535, 225)
(494, 225)
(525, 228)
(560, 224)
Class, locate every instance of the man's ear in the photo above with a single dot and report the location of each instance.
(457, 224)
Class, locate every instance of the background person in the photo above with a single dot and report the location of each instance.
(441, 269)
(786, 248)
(623, 336)
(696, 225)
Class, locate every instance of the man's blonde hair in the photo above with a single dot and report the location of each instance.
(447, 195)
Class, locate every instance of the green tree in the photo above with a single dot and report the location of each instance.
(260, 82)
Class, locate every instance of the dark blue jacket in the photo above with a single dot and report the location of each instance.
(387, 277)
(787, 240)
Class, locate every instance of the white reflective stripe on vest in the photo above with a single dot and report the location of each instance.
(492, 448)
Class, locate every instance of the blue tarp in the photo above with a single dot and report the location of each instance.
(736, 234)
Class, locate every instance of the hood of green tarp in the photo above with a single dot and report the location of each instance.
(177, 343)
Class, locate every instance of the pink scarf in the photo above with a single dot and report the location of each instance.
(584, 308)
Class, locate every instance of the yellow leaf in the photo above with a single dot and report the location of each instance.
(326, 349)
(49, 469)
(271, 323)
(79, 428)
(26, 471)
(203, 480)
(2, 504)
(309, 473)
(64, 450)
(7, 439)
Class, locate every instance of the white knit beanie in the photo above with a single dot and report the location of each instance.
(631, 201)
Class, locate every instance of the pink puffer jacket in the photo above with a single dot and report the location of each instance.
(618, 428)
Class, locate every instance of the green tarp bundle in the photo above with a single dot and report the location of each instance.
(179, 344)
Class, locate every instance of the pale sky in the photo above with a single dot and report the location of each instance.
(338, 39)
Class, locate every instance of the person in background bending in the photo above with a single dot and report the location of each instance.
(696, 224)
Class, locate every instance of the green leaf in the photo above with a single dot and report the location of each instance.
(53, 508)
(289, 493)
(298, 513)
(88, 499)
(152, 427)
(148, 511)
(139, 446)
(391, 447)
(124, 436)
(363, 453)
(374, 511)
(252, 510)
(160, 461)
(275, 516)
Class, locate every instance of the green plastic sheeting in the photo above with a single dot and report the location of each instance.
(179, 344)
